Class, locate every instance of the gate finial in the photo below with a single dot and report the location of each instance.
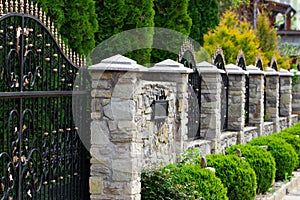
(40, 13)
(6, 7)
(11, 6)
(16, 6)
(27, 7)
(48, 24)
(21, 6)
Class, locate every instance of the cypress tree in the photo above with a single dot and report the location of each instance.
(123, 15)
(75, 20)
(141, 14)
(171, 15)
(204, 15)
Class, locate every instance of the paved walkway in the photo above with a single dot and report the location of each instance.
(294, 194)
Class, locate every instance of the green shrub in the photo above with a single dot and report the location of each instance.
(236, 174)
(284, 154)
(261, 161)
(292, 140)
(182, 182)
(295, 129)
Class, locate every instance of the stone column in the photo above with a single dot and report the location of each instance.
(296, 94)
(236, 97)
(256, 98)
(272, 97)
(210, 103)
(167, 143)
(236, 105)
(115, 170)
(285, 98)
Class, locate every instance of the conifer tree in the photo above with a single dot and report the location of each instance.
(204, 16)
(170, 15)
(75, 20)
(116, 16)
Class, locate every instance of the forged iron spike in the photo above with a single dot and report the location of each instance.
(40, 13)
(6, 7)
(49, 25)
(16, 6)
(58, 39)
(45, 19)
(27, 7)
(78, 60)
(11, 6)
(21, 6)
(71, 55)
(34, 10)
(53, 30)
(81, 63)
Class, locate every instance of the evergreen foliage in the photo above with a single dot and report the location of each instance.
(182, 182)
(75, 20)
(236, 174)
(171, 15)
(122, 15)
(284, 154)
(292, 140)
(204, 16)
(141, 14)
(261, 161)
(232, 35)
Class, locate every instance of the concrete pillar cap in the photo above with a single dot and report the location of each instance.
(234, 69)
(271, 72)
(254, 70)
(170, 66)
(208, 68)
(118, 63)
(284, 72)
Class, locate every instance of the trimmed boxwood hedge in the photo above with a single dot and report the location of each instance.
(292, 140)
(182, 182)
(261, 161)
(284, 154)
(236, 174)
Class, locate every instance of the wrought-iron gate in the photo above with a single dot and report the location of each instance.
(187, 58)
(219, 61)
(41, 155)
(241, 62)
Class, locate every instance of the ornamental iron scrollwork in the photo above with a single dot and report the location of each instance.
(41, 155)
(187, 57)
(219, 61)
(241, 62)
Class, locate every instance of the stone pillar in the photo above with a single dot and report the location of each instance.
(210, 103)
(272, 97)
(236, 97)
(168, 143)
(236, 100)
(115, 170)
(285, 98)
(296, 94)
(256, 98)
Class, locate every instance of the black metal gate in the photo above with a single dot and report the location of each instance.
(219, 61)
(241, 62)
(41, 155)
(187, 58)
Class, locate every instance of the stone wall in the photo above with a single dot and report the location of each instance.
(283, 123)
(250, 133)
(268, 128)
(272, 97)
(140, 117)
